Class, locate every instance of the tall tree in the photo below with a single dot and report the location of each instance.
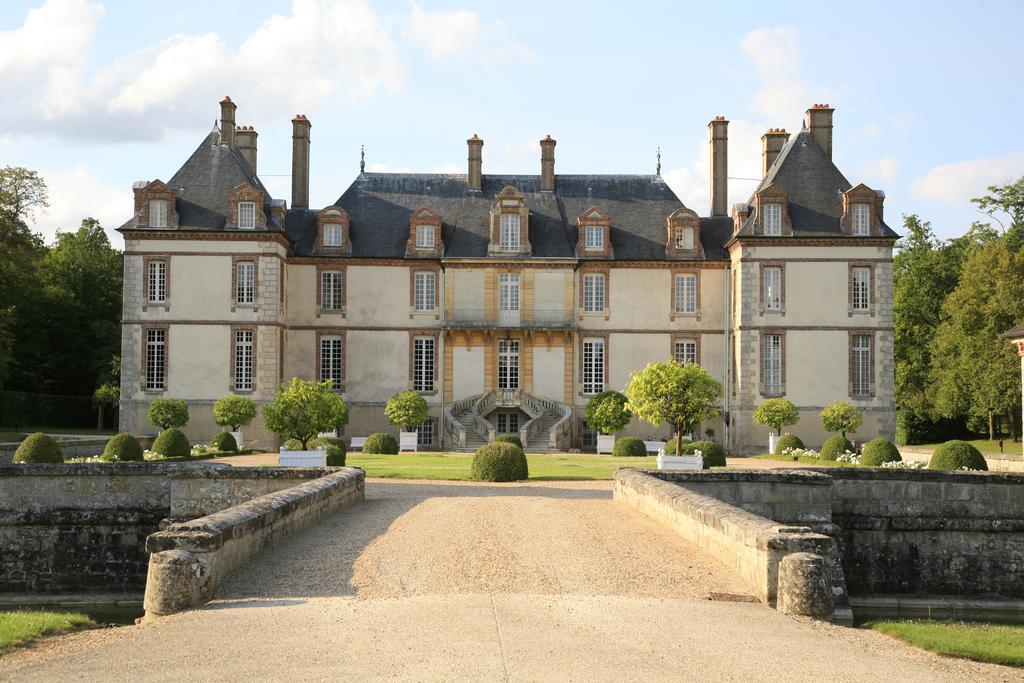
(1005, 205)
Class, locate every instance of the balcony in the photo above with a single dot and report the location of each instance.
(479, 318)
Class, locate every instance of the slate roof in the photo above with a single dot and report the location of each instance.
(1014, 333)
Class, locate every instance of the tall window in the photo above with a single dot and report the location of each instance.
(332, 235)
(158, 213)
(425, 236)
(773, 219)
(861, 283)
(425, 287)
(593, 366)
(423, 363)
(245, 282)
(684, 237)
(508, 363)
(425, 434)
(685, 351)
(156, 359)
(330, 290)
(686, 293)
(247, 215)
(772, 294)
(243, 360)
(772, 370)
(510, 232)
(330, 361)
(861, 219)
(594, 237)
(860, 365)
(157, 282)
(593, 293)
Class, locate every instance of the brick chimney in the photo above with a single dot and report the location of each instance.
(300, 161)
(719, 166)
(819, 123)
(772, 143)
(547, 164)
(245, 141)
(227, 121)
(474, 178)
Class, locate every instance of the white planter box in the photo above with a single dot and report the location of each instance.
(408, 441)
(605, 443)
(317, 458)
(680, 462)
(772, 441)
(238, 438)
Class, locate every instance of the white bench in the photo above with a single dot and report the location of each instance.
(654, 446)
(357, 442)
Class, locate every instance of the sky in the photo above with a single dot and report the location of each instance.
(928, 101)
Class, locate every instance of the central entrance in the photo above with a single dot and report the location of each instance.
(508, 299)
(507, 422)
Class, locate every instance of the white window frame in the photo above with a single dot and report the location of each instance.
(593, 292)
(771, 295)
(158, 213)
(424, 355)
(425, 236)
(686, 293)
(594, 355)
(860, 365)
(247, 215)
(861, 219)
(157, 275)
(508, 364)
(244, 360)
(685, 350)
(156, 359)
(425, 433)
(684, 237)
(773, 218)
(424, 291)
(510, 228)
(332, 288)
(594, 237)
(332, 354)
(771, 367)
(333, 234)
(860, 281)
(245, 282)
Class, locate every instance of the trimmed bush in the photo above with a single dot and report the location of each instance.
(335, 448)
(292, 445)
(713, 452)
(509, 438)
(38, 448)
(879, 450)
(835, 446)
(788, 441)
(234, 411)
(629, 446)
(499, 462)
(224, 442)
(380, 444)
(955, 455)
(166, 413)
(123, 448)
(172, 443)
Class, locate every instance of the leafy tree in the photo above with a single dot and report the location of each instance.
(841, 417)
(607, 412)
(776, 413)
(23, 193)
(681, 395)
(406, 409)
(1008, 201)
(108, 390)
(234, 411)
(167, 413)
(303, 409)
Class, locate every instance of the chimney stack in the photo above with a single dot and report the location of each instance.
(772, 143)
(245, 140)
(819, 123)
(547, 164)
(719, 166)
(227, 121)
(474, 178)
(300, 162)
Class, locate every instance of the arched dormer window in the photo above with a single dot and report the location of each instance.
(247, 208)
(155, 204)
(862, 211)
(509, 230)
(683, 235)
(424, 233)
(595, 238)
(332, 235)
(772, 212)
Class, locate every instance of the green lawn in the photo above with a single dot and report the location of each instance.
(20, 627)
(983, 445)
(995, 643)
(456, 465)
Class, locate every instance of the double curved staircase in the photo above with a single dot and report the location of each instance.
(548, 427)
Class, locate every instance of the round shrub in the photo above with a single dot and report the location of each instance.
(879, 450)
(225, 442)
(499, 462)
(172, 443)
(713, 452)
(835, 446)
(292, 445)
(629, 446)
(335, 448)
(123, 448)
(508, 438)
(381, 444)
(788, 441)
(955, 455)
(38, 448)
(166, 413)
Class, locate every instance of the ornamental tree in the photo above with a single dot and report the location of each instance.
(406, 409)
(303, 409)
(776, 413)
(607, 412)
(168, 412)
(681, 395)
(234, 411)
(841, 417)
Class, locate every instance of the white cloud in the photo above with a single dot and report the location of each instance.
(783, 91)
(76, 193)
(956, 183)
(881, 173)
(447, 34)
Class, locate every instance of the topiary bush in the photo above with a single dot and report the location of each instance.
(499, 462)
(629, 446)
(788, 441)
(835, 446)
(713, 452)
(335, 448)
(380, 444)
(123, 448)
(172, 443)
(879, 450)
(38, 448)
(166, 413)
(955, 455)
(508, 438)
(292, 445)
(225, 442)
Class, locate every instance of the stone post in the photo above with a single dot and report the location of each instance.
(805, 585)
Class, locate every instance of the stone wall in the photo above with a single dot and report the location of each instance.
(198, 493)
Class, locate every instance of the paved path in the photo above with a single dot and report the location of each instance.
(443, 581)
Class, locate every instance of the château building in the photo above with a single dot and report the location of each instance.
(508, 300)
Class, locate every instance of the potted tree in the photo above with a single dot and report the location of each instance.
(776, 413)
(607, 414)
(406, 410)
(681, 395)
(841, 417)
(235, 412)
(300, 411)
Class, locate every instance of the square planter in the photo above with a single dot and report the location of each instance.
(605, 443)
(408, 441)
(238, 438)
(680, 462)
(317, 458)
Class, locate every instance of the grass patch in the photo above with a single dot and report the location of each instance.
(805, 459)
(982, 642)
(456, 466)
(24, 626)
(1010, 447)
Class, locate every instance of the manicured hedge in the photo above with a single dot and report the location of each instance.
(380, 443)
(38, 448)
(224, 442)
(788, 441)
(123, 448)
(508, 438)
(335, 448)
(499, 462)
(955, 455)
(713, 452)
(172, 443)
(878, 451)
(835, 446)
(629, 446)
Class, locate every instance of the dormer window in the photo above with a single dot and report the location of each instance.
(158, 213)
(333, 235)
(862, 211)
(333, 231)
(424, 236)
(773, 219)
(772, 212)
(510, 229)
(684, 237)
(155, 204)
(509, 222)
(246, 215)
(594, 234)
(861, 219)
(594, 237)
